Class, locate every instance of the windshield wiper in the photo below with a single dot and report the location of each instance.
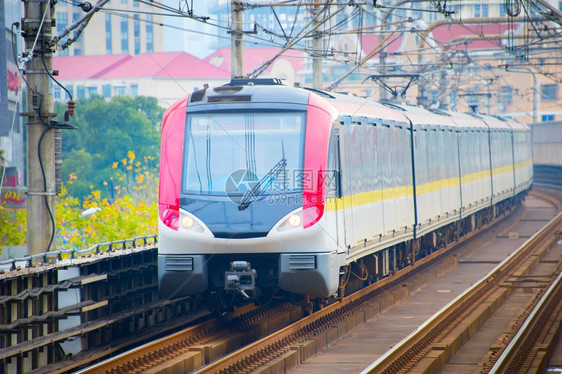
(251, 195)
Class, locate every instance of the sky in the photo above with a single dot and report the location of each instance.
(192, 42)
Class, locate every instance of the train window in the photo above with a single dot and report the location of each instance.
(231, 152)
(332, 176)
(346, 120)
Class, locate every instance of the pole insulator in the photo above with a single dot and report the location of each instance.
(70, 105)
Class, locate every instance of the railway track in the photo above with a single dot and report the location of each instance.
(534, 342)
(97, 354)
(442, 335)
(293, 343)
(203, 342)
(206, 348)
(430, 346)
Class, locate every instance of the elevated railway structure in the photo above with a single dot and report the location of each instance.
(57, 307)
(430, 346)
(115, 306)
(297, 343)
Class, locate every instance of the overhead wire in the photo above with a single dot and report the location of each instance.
(484, 37)
(176, 12)
(418, 51)
(295, 19)
(262, 42)
(330, 29)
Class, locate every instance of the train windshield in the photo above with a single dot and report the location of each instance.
(231, 153)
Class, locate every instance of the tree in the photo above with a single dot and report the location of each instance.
(107, 132)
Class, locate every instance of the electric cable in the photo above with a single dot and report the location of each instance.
(43, 174)
(53, 78)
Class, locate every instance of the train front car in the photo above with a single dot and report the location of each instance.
(243, 212)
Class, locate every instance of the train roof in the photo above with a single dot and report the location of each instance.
(428, 117)
(354, 106)
(518, 126)
(349, 108)
(239, 92)
(468, 121)
(496, 123)
(349, 105)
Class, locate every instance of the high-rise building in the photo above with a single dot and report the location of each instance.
(194, 36)
(121, 27)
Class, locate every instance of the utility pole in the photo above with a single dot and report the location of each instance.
(536, 88)
(489, 98)
(317, 47)
(237, 49)
(443, 99)
(40, 171)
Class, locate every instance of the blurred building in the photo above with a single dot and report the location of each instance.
(11, 128)
(475, 58)
(124, 27)
(482, 57)
(168, 76)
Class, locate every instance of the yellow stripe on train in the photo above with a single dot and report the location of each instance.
(362, 198)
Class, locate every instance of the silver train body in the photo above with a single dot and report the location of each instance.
(364, 184)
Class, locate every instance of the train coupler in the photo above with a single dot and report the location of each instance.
(240, 278)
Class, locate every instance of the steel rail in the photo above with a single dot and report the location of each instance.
(160, 345)
(152, 353)
(515, 351)
(435, 322)
(304, 327)
(325, 318)
(266, 343)
(164, 344)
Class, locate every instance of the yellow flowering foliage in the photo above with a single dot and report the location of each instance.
(136, 179)
(121, 219)
(131, 212)
(13, 226)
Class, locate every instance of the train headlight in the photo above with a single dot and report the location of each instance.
(188, 223)
(293, 221)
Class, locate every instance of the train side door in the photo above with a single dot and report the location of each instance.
(336, 216)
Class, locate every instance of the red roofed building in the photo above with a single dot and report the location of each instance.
(87, 67)
(166, 75)
(176, 65)
(474, 37)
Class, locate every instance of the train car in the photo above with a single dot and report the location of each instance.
(266, 187)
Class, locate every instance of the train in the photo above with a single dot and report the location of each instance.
(269, 189)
